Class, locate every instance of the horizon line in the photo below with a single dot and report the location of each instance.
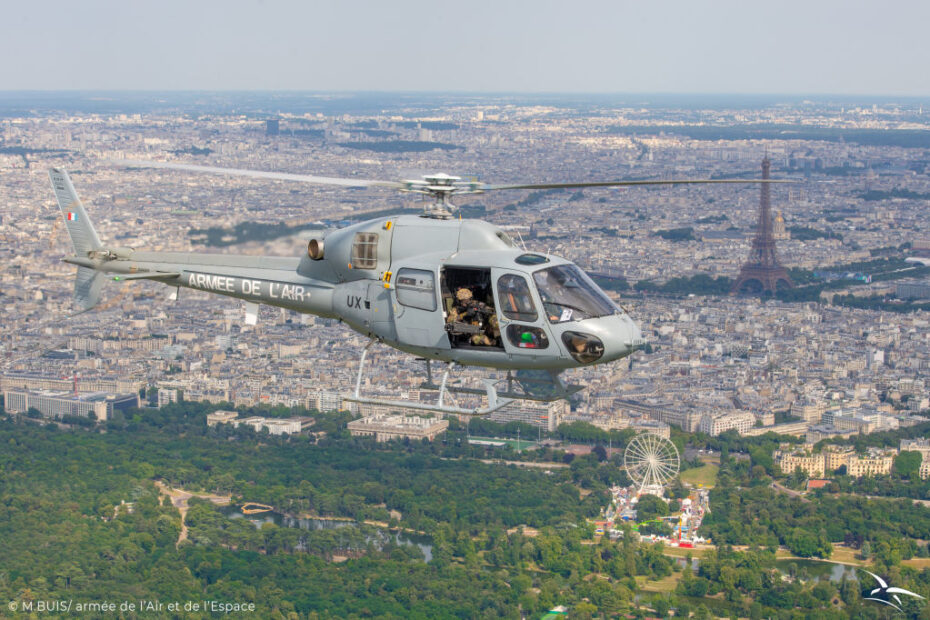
(4, 91)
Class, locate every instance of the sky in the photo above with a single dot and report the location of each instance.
(846, 47)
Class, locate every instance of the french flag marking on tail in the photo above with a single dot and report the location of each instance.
(72, 217)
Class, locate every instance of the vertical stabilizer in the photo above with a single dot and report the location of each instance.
(87, 287)
(83, 236)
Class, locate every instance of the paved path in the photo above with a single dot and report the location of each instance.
(525, 464)
(791, 492)
(537, 465)
(180, 497)
(922, 502)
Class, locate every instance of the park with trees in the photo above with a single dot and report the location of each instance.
(84, 518)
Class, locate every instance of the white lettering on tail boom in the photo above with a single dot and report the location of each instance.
(245, 287)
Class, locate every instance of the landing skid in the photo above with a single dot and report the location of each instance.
(538, 385)
(525, 385)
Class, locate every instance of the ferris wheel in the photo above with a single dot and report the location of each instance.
(651, 461)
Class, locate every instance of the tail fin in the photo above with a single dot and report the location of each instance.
(83, 237)
(87, 287)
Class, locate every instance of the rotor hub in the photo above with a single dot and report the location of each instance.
(440, 187)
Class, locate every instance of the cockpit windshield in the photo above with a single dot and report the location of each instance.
(568, 294)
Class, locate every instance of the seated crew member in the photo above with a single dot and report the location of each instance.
(469, 308)
(463, 297)
(493, 331)
(474, 313)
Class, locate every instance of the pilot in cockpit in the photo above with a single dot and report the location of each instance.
(552, 292)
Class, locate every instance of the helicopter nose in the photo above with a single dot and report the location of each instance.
(603, 339)
(626, 337)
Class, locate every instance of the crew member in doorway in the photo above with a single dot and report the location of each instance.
(472, 312)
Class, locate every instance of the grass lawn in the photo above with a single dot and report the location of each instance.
(841, 554)
(523, 443)
(917, 563)
(847, 556)
(666, 584)
(682, 552)
(705, 475)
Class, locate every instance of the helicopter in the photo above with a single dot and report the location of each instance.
(458, 291)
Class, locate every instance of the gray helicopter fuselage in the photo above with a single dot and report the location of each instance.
(389, 279)
(443, 289)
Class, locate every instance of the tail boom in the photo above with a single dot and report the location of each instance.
(274, 281)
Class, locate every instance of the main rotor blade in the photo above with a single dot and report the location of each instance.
(281, 176)
(624, 183)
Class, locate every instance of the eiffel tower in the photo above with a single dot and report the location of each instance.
(762, 273)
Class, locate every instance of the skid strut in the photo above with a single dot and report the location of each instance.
(494, 402)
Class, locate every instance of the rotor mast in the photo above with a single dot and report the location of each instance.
(440, 187)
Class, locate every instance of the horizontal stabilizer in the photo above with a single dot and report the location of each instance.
(148, 275)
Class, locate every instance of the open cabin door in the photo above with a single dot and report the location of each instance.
(469, 308)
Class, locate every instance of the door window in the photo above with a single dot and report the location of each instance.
(514, 299)
(416, 288)
(527, 337)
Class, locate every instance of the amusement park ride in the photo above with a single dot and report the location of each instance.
(651, 461)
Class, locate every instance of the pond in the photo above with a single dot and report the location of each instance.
(382, 536)
(806, 569)
(818, 570)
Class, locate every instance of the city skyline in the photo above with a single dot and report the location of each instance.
(859, 183)
(170, 447)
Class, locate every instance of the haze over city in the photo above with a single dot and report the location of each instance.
(592, 46)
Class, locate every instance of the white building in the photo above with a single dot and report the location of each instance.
(542, 414)
(715, 423)
(652, 426)
(57, 405)
(221, 417)
(387, 427)
(275, 426)
(167, 396)
(325, 401)
(286, 426)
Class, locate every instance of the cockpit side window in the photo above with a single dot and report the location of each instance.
(569, 295)
(514, 298)
(365, 251)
